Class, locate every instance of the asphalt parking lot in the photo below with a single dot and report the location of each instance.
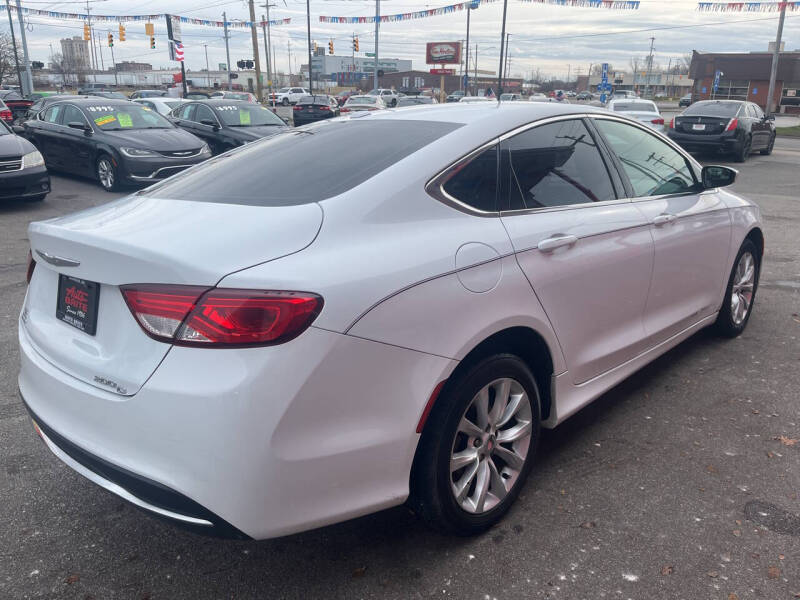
(681, 483)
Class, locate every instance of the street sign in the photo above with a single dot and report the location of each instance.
(717, 76)
(443, 71)
(605, 72)
(174, 28)
(369, 54)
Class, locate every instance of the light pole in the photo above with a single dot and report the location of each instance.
(227, 48)
(773, 73)
(308, 30)
(208, 71)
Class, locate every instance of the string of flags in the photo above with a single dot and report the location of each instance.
(747, 6)
(141, 18)
(473, 4)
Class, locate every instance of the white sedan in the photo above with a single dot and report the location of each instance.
(252, 347)
(162, 105)
(644, 111)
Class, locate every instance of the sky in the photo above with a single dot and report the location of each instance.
(554, 40)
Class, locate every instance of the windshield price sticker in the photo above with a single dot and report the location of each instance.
(244, 117)
(100, 121)
(125, 120)
(227, 108)
(99, 108)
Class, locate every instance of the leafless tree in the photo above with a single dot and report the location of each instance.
(636, 64)
(66, 68)
(8, 68)
(597, 69)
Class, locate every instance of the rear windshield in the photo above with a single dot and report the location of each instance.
(713, 109)
(303, 165)
(361, 100)
(314, 100)
(635, 106)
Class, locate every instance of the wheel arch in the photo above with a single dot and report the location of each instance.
(757, 237)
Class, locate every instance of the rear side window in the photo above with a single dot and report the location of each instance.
(554, 165)
(303, 165)
(475, 183)
(653, 167)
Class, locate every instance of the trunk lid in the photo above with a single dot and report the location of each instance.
(702, 125)
(143, 240)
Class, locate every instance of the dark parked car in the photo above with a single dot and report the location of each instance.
(685, 101)
(225, 124)
(455, 96)
(584, 96)
(732, 126)
(5, 113)
(113, 141)
(22, 171)
(106, 94)
(315, 108)
(16, 103)
(148, 94)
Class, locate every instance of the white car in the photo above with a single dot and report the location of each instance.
(162, 105)
(252, 348)
(362, 103)
(289, 95)
(389, 97)
(644, 111)
(469, 99)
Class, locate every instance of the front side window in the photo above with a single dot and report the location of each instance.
(475, 183)
(652, 166)
(203, 113)
(72, 114)
(557, 164)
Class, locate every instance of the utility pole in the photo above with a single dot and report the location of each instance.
(227, 47)
(377, 28)
(773, 73)
(289, 51)
(569, 73)
(14, 44)
(308, 32)
(264, 24)
(502, 48)
(114, 66)
(99, 43)
(466, 59)
(476, 68)
(256, 57)
(91, 41)
(649, 68)
(667, 91)
(508, 59)
(270, 52)
(25, 58)
(208, 72)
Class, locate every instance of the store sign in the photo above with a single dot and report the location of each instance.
(443, 71)
(443, 53)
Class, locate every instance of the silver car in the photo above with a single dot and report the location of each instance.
(644, 111)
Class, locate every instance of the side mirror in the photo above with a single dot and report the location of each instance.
(18, 129)
(78, 125)
(716, 176)
(210, 123)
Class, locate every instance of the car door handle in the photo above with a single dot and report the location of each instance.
(663, 219)
(557, 241)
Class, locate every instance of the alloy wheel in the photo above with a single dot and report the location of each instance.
(743, 286)
(105, 172)
(490, 446)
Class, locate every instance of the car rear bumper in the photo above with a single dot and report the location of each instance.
(258, 442)
(25, 183)
(724, 142)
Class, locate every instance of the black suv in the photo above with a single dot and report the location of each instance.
(732, 126)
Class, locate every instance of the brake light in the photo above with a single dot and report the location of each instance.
(219, 317)
(297, 107)
(324, 107)
(345, 109)
(672, 123)
(732, 124)
(6, 115)
(31, 267)
(657, 121)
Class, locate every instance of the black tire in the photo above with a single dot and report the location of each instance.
(743, 152)
(105, 164)
(394, 102)
(432, 497)
(768, 150)
(285, 102)
(727, 324)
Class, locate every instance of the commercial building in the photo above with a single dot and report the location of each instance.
(745, 76)
(327, 65)
(418, 80)
(75, 52)
(129, 65)
(657, 84)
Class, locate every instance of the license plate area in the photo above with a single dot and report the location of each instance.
(77, 303)
(698, 127)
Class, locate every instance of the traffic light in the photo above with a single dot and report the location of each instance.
(330, 47)
(87, 32)
(355, 43)
(249, 64)
(121, 32)
(110, 40)
(152, 42)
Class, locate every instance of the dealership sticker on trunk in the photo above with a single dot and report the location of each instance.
(698, 127)
(77, 303)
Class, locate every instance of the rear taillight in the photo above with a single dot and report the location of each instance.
(732, 124)
(31, 267)
(297, 107)
(672, 123)
(199, 316)
(657, 121)
(6, 115)
(345, 110)
(324, 107)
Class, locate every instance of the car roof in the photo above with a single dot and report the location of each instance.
(217, 101)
